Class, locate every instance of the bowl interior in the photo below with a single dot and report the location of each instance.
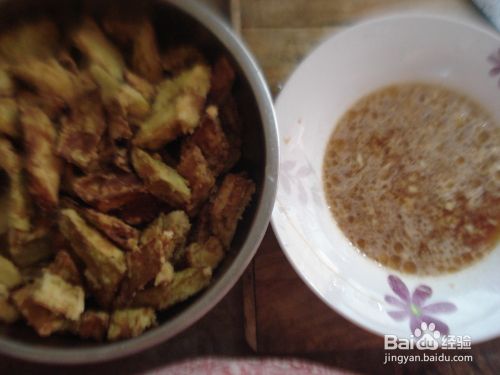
(173, 25)
(340, 71)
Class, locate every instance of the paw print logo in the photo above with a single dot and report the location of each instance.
(427, 337)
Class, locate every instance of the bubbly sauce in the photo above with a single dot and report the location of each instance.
(412, 177)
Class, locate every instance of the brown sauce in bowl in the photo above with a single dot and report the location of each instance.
(412, 177)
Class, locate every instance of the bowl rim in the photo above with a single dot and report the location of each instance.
(346, 312)
(225, 34)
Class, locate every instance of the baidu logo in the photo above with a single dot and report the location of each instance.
(426, 337)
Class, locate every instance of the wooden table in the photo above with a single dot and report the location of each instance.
(271, 312)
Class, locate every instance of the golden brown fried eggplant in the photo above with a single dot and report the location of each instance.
(185, 284)
(29, 40)
(81, 133)
(194, 168)
(128, 323)
(228, 205)
(9, 114)
(42, 164)
(116, 230)
(94, 45)
(177, 108)
(109, 191)
(161, 180)
(105, 263)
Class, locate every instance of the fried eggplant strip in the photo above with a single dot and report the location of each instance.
(42, 164)
(51, 80)
(92, 324)
(19, 207)
(58, 296)
(6, 82)
(229, 203)
(214, 144)
(119, 96)
(35, 39)
(185, 284)
(91, 41)
(8, 117)
(128, 323)
(44, 321)
(105, 263)
(81, 133)
(194, 168)
(109, 191)
(171, 228)
(177, 108)
(116, 230)
(140, 36)
(161, 180)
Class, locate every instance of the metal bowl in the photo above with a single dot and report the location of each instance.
(192, 21)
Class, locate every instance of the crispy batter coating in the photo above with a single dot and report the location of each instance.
(128, 323)
(177, 108)
(10, 277)
(119, 128)
(118, 96)
(8, 117)
(108, 191)
(44, 321)
(144, 44)
(58, 296)
(28, 40)
(81, 133)
(143, 265)
(161, 180)
(28, 248)
(140, 37)
(146, 89)
(166, 274)
(52, 106)
(42, 164)
(8, 312)
(230, 121)
(116, 230)
(229, 203)
(185, 284)
(222, 80)
(50, 79)
(201, 227)
(7, 85)
(92, 325)
(141, 210)
(169, 232)
(19, 208)
(194, 168)
(92, 42)
(19, 205)
(64, 266)
(10, 161)
(208, 254)
(214, 144)
(181, 57)
(105, 263)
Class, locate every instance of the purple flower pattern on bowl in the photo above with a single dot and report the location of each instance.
(413, 306)
(494, 59)
(292, 176)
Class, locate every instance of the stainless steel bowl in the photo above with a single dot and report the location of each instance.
(190, 19)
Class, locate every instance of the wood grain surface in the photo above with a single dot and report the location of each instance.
(281, 33)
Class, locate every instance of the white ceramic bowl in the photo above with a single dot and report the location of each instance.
(341, 70)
